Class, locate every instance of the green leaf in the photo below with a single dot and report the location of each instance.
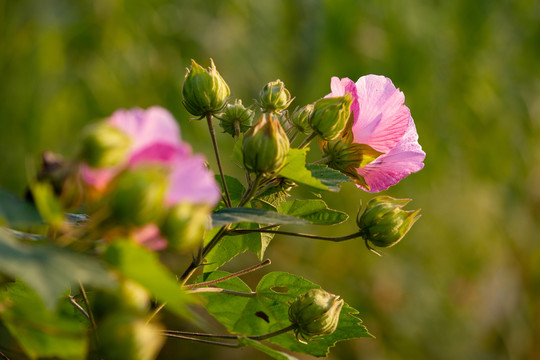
(235, 187)
(296, 170)
(265, 349)
(48, 205)
(260, 216)
(237, 154)
(41, 332)
(143, 266)
(17, 212)
(331, 178)
(268, 312)
(49, 270)
(313, 210)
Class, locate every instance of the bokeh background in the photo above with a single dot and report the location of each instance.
(465, 282)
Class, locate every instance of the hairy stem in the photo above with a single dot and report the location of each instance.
(216, 150)
(290, 233)
(222, 291)
(236, 274)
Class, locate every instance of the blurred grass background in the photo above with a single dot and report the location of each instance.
(465, 282)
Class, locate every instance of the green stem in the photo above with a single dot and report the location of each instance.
(216, 150)
(324, 160)
(236, 274)
(280, 232)
(307, 140)
(220, 290)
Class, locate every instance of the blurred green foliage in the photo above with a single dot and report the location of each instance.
(465, 282)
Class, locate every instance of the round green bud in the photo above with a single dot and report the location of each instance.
(300, 118)
(236, 118)
(205, 92)
(383, 223)
(315, 313)
(184, 225)
(138, 197)
(265, 146)
(104, 145)
(330, 116)
(274, 97)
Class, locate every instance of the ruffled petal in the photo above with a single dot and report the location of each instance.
(388, 169)
(340, 87)
(192, 182)
(150, 237)
(160, 153)
(382, 119)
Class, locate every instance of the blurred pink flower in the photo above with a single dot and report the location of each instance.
(382, 121)
(155, 140)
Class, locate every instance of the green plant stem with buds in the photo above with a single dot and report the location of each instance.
(216, 150)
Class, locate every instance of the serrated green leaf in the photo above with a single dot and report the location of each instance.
(237, 154)
(313, 210)
(331, 178)
(260, 216)
(143, 266)
(265, 349)
(17, 212)
(49, 270)
(296, 170)
(268, 312)
(40, 332)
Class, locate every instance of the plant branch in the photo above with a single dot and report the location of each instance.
(220, 290)
(216, 150)
(307, 140)
(309, 236)
(236, 274)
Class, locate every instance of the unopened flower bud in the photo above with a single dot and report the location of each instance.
(184, 225)
(138, 197)
(330, 116)
(205, 91)
(274, 97)
(383, 223)
(236, 119)
(300, 118)
(104, 145)
(265, 146)
(315, 313)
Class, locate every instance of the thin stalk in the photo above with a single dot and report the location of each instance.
(273, 333)
(90, 315)
(236, 274)
(324, 160)
(307, 140)
(216, 150)
(202, 340)
(222, 291)
(79, 307)
(280, 232)
(189, 335)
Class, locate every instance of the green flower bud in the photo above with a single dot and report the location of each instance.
(184, 225)
(104, 145)
(236, 119)
(315, 313)
(205, 92)
(300, 118)
(330, 116)
(383, 223)
(265, 146)
(274, 97)
(138, 197)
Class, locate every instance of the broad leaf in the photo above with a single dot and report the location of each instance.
(313, 210)
(331, 178)
(259, 216)
(143, 266)
(17, 212)
(49, 270)
(235, 187)
(41, 332)
(266, 349)
(48, 204)
(268, 312)
(295, 169)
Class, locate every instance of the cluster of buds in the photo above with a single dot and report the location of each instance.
(316, 313)
(274, 97)
(384, 223)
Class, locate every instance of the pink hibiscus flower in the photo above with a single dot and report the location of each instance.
(383, 122)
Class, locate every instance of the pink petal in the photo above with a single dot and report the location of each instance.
(382, 118)
(150, 237)
(388, 169)
(340, 87)
(146, 127)
(98, 178)
(160, 153)
(192, 182)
